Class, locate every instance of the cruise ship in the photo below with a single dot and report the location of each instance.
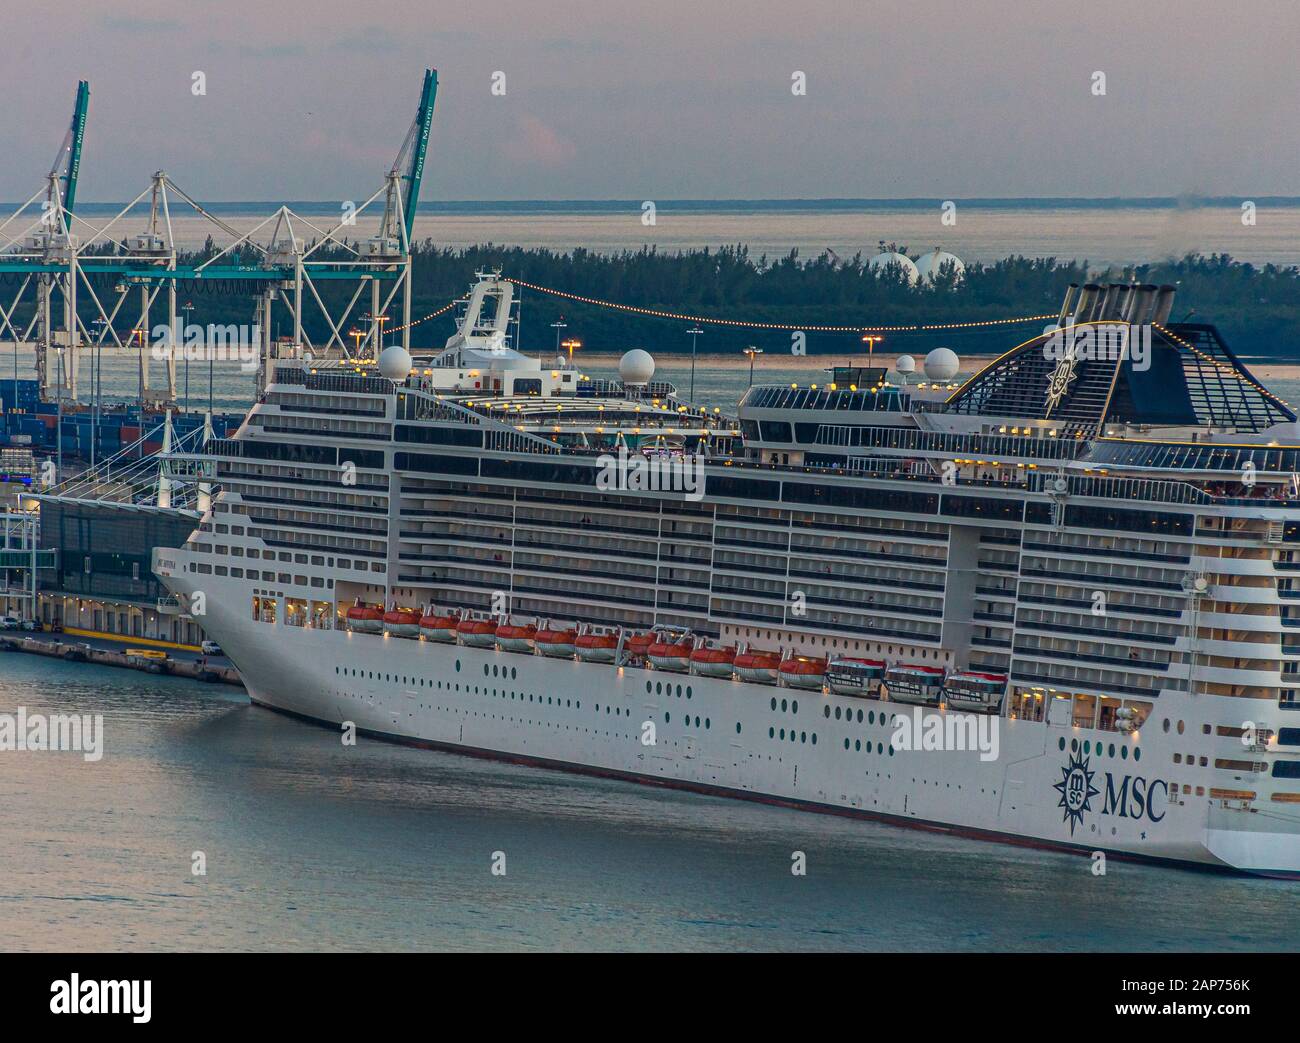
(1056, 604)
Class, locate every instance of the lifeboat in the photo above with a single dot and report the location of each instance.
(637, 645)
(804, 672)
(974, 692)
(757, 667)
(855, 676)
(914, 683)
(713, 662)
(434, 627)
(402, 622)
(511, 638)
(477, 633)
(596, 648)
(366, 619)
(670, 655)
(559, 644)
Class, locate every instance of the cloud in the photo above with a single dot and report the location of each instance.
(537, 143)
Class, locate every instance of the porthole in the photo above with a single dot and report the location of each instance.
(1137, 753)
(1060, 743)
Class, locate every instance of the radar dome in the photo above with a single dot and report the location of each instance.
(636, 367)
(941, 365)
(395, 362)
(883, 260)
(905, 364)
(929, 265)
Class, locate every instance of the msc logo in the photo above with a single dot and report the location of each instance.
(1131, 796)
(1076, 791)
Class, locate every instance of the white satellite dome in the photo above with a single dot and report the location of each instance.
(928, 265)
(884, 260)
(395, 362)
(905, 364)
(636, 367)
(941, 365)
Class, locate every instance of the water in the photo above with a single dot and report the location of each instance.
(311, 845)
(1101, 234)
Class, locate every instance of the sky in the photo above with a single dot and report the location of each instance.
(663, 100)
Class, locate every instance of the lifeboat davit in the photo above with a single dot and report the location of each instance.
(713, 662)
(366, 619)
(670, 655)
(438, 628)
(596, 648)
(804, 672)
(559, 644)
(757, 667)
(512, 638)
(477, 633)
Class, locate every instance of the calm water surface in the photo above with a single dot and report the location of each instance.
(311, 845)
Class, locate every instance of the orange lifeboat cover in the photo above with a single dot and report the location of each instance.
(714, 655)
(799, 666)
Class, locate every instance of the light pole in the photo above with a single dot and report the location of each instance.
(187, 308)
(560, 324)
(59, 442)
(871, 340)
(694, 333)
(752, 351)
(100, 325)
(571, 344)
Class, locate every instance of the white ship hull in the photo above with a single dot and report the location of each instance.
(746, 740)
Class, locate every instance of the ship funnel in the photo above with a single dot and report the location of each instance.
(1071, 292)
(1119, 301)
(1105, 303)
(1164, 305)
(1087, 302)
(1143, 298)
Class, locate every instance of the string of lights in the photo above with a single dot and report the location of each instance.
(1219, 365)
(432, 315)
(656, 313)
